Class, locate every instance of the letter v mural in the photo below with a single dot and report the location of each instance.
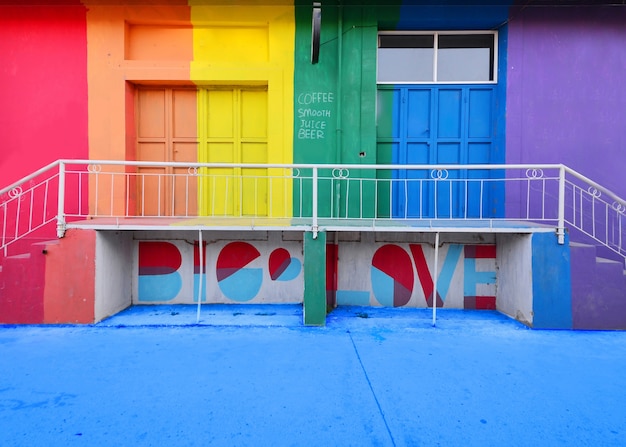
(402, 275)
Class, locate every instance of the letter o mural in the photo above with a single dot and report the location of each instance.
(236, 279)
(282, 266)
(392, 276)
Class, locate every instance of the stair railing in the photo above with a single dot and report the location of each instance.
(28, 204)
(594, 211)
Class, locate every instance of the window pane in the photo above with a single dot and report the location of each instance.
(405, 64)
(464, 65)
(465, 58)
(406, 41)
(466, 41)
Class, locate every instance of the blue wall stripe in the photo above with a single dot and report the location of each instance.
(552, 285)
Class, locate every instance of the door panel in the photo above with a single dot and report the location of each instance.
(152, 180)
(479, 152)
(166, 132)
(449, 113)
(220, 152)
(220, 114)
(236, 131)
(449, 153)
(450, 197)
(388, 113)
(254, 180)
(219, 186)
(418, 119)
(254, 150)
(418, 183)
(151, 113)
(184, 114)
(480, 117)
(253, 114)
(217, 145)
(185, 152)
(384, 193)
(184, 184)
(149, 151)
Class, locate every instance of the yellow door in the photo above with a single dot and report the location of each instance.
(233, 130)
(166, 132)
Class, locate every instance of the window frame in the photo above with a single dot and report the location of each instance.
(436, 35)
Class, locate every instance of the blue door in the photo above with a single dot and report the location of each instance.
(442, 124)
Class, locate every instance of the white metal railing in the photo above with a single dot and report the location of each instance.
(315, 196)
(29, 204)
(595, 211)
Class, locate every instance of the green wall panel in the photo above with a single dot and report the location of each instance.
(335, 104)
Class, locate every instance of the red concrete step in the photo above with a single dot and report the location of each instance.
(22, 282)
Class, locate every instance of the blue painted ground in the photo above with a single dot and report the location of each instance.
(254, 376)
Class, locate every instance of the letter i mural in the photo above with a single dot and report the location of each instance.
(199, 272)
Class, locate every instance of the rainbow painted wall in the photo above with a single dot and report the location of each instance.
(71, 72)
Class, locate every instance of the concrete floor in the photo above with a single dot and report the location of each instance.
(254, 376)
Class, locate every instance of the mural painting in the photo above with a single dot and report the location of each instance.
(233, 272)
(390, 275)
(402, 275)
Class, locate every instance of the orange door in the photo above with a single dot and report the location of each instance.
(166, 132)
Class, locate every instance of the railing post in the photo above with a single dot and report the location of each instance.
(314, 210)
(202, 272)
(560, 231)
(61, 201)
(435, 276)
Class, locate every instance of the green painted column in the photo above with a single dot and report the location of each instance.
(315, 279)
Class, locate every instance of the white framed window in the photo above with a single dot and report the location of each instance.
(457, 57)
